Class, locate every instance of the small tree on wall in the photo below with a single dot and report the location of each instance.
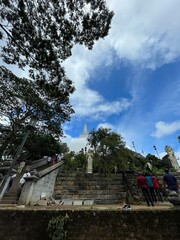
(75, 162)
(108, 146)
(56, 227)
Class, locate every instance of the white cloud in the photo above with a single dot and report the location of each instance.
(88, 102)
(164, 129)
(143, 31)
(75, 144)
(106, 125)
(93, 105)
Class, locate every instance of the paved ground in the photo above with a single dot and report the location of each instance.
(117, 207)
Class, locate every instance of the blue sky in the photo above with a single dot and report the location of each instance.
(130, 81)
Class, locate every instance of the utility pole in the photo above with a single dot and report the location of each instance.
(143, 153)
(134, 146)
(155, 148)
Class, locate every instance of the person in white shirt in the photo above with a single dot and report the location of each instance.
(21, 183)
(22, 180)
(48, 161)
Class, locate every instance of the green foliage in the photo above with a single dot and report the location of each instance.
(108, 146)
(56, 227)
(42, 34)
(158, 164)
(39, 145)
(105, 137)
(75, 162)
(20, 102)
(36, 146)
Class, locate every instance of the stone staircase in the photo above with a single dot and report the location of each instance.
(99, 188)
(10, 197)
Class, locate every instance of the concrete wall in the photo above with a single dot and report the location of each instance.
(35, 189)
(92, 224)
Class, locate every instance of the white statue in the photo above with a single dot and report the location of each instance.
(89, 168)
(172, 157)
(148, 166)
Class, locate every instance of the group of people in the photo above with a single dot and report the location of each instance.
(150, 188)
(55, 158)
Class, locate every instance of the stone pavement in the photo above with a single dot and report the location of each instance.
(116, 207)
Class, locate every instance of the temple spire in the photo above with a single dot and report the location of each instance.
(84, 133)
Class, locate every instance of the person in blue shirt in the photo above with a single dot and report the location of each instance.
(170, 181)
(151, 187)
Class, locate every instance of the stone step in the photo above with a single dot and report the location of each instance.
(78, 202)
(8, 201)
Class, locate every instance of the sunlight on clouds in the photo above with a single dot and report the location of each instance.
(106, 125)
(75, 144)
(142, 31)
(94, 106)
(164, 129)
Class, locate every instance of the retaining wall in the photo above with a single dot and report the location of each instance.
(92, 224)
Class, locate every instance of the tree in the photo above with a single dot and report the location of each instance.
(157, 164)
(20, 102)
(39, 145)
(44, 32)
(107, 145)
(75, 161)
(39, 36)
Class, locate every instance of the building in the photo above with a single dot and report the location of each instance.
(77, 144)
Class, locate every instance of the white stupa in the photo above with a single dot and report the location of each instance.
(84, 133)
(77, 144)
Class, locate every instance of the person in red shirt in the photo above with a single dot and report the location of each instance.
(142, 184)
(156, 188)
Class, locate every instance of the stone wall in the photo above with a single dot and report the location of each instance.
(92, 224)
(103, 189)
(37, 188)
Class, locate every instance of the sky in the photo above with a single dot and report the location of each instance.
(130, 81)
